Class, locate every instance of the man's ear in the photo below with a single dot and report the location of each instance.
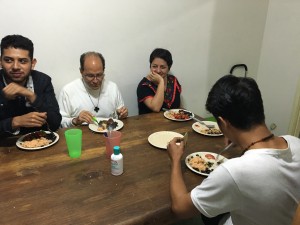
(81, 70)
(34, 61)
(223, 122)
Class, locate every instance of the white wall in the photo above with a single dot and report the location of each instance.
(279, 65)
(206, 37)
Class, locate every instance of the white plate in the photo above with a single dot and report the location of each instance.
(94, 127)
(19, 141)
(162, 138)
(199, 128)
(203, 156)
(168, 116)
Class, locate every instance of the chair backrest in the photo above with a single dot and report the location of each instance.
(237, 66)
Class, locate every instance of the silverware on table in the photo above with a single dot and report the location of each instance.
(209, 126)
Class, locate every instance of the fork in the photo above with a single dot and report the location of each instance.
(209, 126)
(51, 135)
(223, 150)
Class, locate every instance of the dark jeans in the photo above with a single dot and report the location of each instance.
(213, 220)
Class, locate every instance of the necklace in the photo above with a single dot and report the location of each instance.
(260, 140)
(96, 108)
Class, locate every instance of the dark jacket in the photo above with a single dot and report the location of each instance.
(45, 102)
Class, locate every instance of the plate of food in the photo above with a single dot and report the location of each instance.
(161, 139)
(102, 125)
(178, 115)
(37, 140)
(202, 129)
(203, 162)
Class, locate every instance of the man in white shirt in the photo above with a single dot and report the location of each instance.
(91, 95)
(263, 185)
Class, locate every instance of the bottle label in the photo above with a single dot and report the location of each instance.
(116, 167)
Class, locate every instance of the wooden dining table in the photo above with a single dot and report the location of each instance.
(49, 187)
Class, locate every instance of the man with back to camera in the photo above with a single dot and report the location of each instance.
(260, 187)
(27, 98)
(91, 95)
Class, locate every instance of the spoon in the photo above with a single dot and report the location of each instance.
(95, 120)
(109, 126)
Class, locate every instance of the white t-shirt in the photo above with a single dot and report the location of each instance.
(74, 98)
(262, 187)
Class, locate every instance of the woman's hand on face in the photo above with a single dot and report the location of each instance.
(155, 78)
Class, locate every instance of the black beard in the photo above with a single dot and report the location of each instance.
(9, 80)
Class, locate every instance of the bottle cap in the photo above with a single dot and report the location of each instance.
(116, 150)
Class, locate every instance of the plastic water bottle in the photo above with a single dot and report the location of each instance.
(116, 162)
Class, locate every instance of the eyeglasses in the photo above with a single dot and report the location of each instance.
(92, 76)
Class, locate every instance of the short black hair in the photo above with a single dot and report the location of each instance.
(162, 54)
(237, 99)
(84, 55)
(17, 41)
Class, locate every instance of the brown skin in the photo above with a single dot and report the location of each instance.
(17, 66)
(158, 74)
(93, 67)
(182, 204)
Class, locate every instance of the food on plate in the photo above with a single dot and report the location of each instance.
(208, 130)
(180, 114)
(103, 124)
(38, 134)
(37, 139)
(212, 131)
(209, 156)
(200, 164)
(35, 143)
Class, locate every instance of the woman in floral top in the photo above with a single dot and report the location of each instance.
(159, 89)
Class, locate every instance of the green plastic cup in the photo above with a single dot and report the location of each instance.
(74, 142)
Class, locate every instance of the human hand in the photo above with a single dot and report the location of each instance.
(13, 90)
(84, 116)
(32, 119)
(122, 112)
(155, 78)
(175, 149)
